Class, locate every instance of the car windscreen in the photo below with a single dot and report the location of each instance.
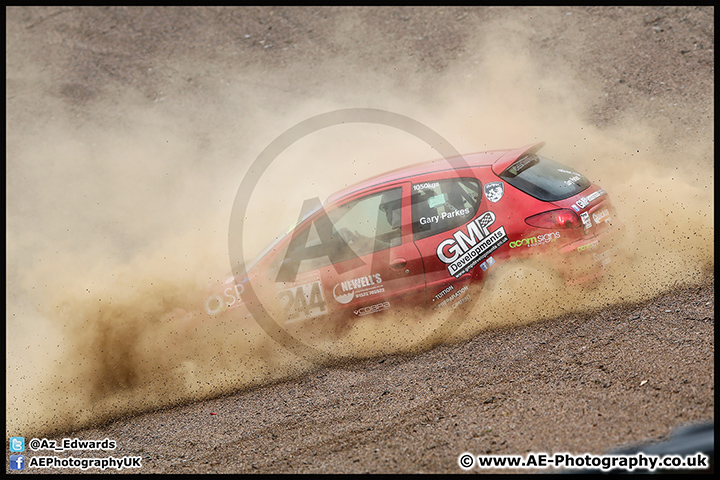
(544, 179)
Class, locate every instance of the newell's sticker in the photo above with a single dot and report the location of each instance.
(345, 292)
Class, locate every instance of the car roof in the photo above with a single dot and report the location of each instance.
(498, 159)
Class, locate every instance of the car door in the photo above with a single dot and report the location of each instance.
(362, 258)
(454, 236)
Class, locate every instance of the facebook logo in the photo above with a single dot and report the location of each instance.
(17, 444)
(17, 462)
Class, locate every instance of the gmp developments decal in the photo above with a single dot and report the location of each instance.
(471, 244)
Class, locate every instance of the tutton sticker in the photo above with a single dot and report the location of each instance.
(345, 292)
(494, 191)
(471, 245)
(454, 297)
(444, 292)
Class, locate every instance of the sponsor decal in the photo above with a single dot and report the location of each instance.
(576, 208)
(494, 191)
(455, 296)
(535, 241)
(425, 186)
(345, 292)
(303, 298)
(470, 245)
(603, 257)
(585, 201)
(585, 217)
(523, 241)
(230, 298)
(379, 307)
(466, 298)
(596, 194)
(487, 263)
(447, 290)
(589, 246)
(601, 216)
(522, 164)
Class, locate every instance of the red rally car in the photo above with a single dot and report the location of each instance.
(421, 235)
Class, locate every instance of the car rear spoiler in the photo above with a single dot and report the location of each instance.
(513, 155)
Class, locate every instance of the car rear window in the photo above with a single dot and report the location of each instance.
(544, 179)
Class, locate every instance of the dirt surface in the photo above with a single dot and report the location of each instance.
(180, 90)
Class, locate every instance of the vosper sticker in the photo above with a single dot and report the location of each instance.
(471, 245)
(345, 292)
(372, 309)
(230, 298)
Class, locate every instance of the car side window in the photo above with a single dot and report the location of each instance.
(372, 223)
(441, 205)
(368, 224)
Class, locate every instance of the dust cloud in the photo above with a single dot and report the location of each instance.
(118, 211)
